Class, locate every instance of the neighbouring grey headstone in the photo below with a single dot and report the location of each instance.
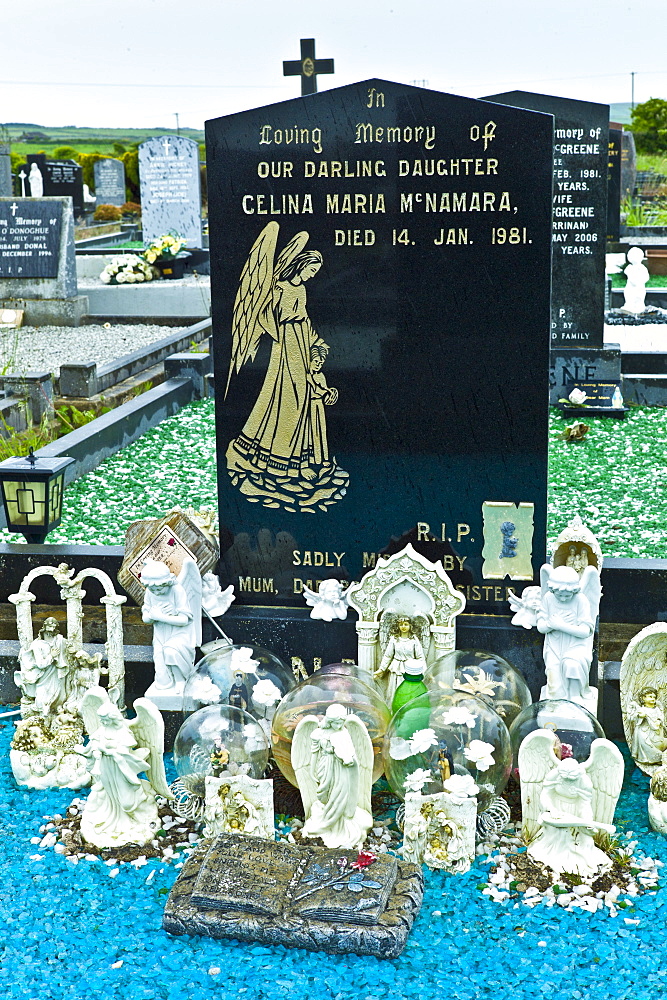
(5, 171)
(170, 188)
(109, 182)
(37, 260)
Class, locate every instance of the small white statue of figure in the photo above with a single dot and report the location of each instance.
(333, 763)
(42, 678)
(36, 181)
(404, 651)
(565, 614)
(657, 800)
(565, 803)
(85, 670)
(647, 728)
(173, 605)
(329, 602)
(239, 804)
(636, 275)
(121, 807)
(577, 559)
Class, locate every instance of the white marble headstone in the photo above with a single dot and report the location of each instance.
(170, 188)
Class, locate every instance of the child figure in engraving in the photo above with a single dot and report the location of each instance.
(321, 395)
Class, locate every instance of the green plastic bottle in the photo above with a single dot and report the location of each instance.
(412, 686)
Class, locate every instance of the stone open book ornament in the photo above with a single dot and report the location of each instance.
(302, 897)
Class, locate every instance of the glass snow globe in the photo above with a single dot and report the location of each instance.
(447, 732)
(314, 695)
(247, 677)
(213, 740)
(574, 726)
(485, 675)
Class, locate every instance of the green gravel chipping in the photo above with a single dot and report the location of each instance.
(615, 479)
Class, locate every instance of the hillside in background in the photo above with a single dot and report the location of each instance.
(27, 137)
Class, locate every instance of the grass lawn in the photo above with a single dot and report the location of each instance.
(615, 479)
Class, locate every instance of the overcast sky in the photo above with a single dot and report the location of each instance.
(135, 63)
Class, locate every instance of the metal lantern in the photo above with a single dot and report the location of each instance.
(32, 491)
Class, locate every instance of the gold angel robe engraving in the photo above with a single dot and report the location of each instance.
(281, 457)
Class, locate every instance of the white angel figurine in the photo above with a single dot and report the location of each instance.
(121, 808)
(565, 803)
(647, 728)
(214, 600)
(567, 620)
(173, 605)
(329, 602)
(333, 763)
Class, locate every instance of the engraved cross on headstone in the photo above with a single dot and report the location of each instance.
(167, 146)
(13, 209)
(307, 67)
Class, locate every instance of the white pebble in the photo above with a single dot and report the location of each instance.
(150, 876)
(60, 848)
(114, 872)
(214, 970)
(118, 964)
(541, 944)
(628, 920)
(35, 840)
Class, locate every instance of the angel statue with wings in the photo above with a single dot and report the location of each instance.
(565, 803)
(173, 605)
(281, 457)
(565, 612)
(333, 763)
(121, 808)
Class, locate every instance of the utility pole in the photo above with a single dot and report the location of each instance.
(178, 130)
(633, 90)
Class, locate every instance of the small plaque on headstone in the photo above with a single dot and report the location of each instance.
(169, 540)
(298, 895)
(11, 319)
(29, 238)
(109, 182)
(600, 399)
(170, 188)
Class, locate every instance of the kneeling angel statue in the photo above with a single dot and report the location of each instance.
(333, 763)
(121, 807)
(566, 804)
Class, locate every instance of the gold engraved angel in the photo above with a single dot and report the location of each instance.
(281, 457)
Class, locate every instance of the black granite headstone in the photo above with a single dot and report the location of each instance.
(380, 276)
(29, 238)
(614, 184)
(579, 214)
(60, 178)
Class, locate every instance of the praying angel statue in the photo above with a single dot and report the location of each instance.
(121, 808)
(333, 763)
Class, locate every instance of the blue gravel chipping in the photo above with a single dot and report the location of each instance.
(63, 927)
